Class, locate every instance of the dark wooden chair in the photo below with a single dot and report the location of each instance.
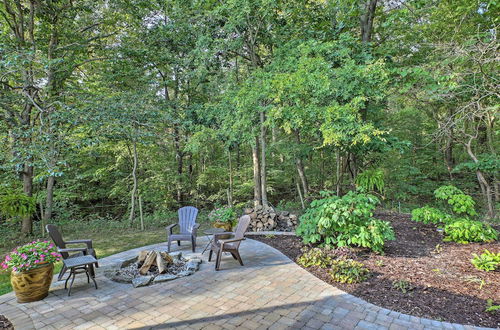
(68, 253)
(187, 227)
(230, 245)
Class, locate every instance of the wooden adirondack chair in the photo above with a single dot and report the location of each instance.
(67, 253)
(230, 245)
(187, 227)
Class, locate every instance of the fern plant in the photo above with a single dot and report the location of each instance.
(371, 180)
(16, 204)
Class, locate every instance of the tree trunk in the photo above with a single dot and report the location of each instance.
(49, 204)
(300, 168)
(230, 189)
(180, 159)
(134, 187)
(27, 223)
(485, 186)
(257, 195)
(263, 176)
(367, 20)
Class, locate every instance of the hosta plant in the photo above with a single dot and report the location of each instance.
(487, 261)
(314, 257)
(348, 271)
(225, 214)
(466, 231)
(429, 214)
(31, 255)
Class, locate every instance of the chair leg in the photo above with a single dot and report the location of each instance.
(71, 284)
(169, 242)
(234, 256)
(193, 243)
(178, 243)
(210, 255)
(66, 282)
(238, 257)
(219, 257)
(61, 273)
(92, 276)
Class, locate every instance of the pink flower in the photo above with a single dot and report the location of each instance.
(37, 261)
(4, 266)
(24, 256)
(8, 258)
(14, 268)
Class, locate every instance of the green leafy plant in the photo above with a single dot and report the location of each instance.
(225, 214)
(460, 202)
(348, 271)
(314, 257)
(429, 214)
(16, 204)
(465, 231)
(487, 261)
(371, 180)
(30, 256)
(402, 285)
(474, 279)
(490, 308)
(344, 221)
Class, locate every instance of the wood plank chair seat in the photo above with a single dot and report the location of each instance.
(187, 227)
(230, 245)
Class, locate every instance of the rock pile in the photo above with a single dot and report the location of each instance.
(268, 219)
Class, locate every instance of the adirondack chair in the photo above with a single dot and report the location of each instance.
(55, 235)
(187, 227)
(230, 245)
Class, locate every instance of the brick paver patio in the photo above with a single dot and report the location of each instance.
(270, 292)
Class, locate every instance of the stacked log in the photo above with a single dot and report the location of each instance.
(268, 219)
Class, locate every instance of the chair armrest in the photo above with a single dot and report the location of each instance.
(72, 250)
(231, 240)
(81, 241)
(222, 234)
(170, 227)
(195, 228)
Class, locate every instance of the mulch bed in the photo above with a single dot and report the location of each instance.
(443, 284)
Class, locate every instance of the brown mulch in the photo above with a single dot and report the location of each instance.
(441, 282)
(5, 323)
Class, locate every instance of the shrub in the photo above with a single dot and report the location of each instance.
(16, 204)
(225, 214)
(314, 257)
(345, 221)
(460, 202)
(429, 214)
(348, 271)
(487, 261)
(371, 180)
(466, 231)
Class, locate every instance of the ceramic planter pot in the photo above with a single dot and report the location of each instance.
(224, 225)
(32, 285)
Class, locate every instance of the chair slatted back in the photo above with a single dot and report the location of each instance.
(55, 235)
(187, 219)
(243, 223)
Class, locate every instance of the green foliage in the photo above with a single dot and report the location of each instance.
(487, 261)
(16, 204)
(465, 231)
(348, 271)
(490, 307)
(429, 214)
(225, 214)
(371, 180)
(402, 285)
(460, 202)
(314, 257)
(345, 221)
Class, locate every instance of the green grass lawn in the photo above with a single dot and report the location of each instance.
(107, 239)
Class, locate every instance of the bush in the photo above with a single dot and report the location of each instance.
(348, 271)
(16, 204)
(225, 214)
(345, 221)
(314, 257)
(429, 214)
(487, 261)
(466, 231)
(460, 202)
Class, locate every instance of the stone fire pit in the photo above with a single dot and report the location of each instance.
(151, 267)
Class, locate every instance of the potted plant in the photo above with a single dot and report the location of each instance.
(223, 217)
(32, 267)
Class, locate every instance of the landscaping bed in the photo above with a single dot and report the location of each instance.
(419, 274)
